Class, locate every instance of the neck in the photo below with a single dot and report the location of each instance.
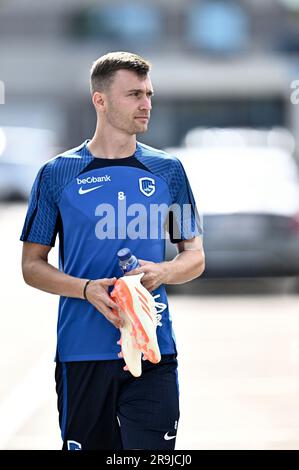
(111, 143)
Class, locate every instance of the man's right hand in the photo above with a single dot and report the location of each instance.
(97, 294)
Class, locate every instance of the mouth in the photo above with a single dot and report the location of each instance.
(142, 117)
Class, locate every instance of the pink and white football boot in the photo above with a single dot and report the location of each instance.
(138, 311)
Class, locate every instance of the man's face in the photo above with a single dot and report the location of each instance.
(128, 102)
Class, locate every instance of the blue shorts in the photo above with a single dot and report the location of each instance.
(101, 406)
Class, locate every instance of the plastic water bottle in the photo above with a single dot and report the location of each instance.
(127, 261)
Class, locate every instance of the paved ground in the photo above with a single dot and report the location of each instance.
(238, 350)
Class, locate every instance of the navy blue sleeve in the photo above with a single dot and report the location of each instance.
(41, 223)
(184, 220)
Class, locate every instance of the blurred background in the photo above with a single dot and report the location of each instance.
(226, 79)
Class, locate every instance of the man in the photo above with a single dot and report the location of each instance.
(81, 195)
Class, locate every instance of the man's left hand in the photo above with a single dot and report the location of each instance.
(154, 274)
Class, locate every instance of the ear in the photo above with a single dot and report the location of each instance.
(99, 101)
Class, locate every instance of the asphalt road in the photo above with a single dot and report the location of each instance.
(238, 345)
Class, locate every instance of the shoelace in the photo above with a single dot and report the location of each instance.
(160, 307)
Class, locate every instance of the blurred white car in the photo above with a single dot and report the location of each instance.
(249, 200)
(23, 150)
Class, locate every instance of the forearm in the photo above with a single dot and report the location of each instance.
(186, 266)
(42, 275)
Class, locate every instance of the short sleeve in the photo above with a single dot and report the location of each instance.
(41, 223)
(184, 221)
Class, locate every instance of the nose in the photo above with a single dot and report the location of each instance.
(146, 103)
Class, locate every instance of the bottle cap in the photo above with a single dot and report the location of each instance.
(124, 253)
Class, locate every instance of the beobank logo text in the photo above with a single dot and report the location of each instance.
(93, 179)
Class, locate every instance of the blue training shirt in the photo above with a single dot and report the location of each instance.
(98, 206)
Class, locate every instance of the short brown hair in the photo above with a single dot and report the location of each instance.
(104, 68)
